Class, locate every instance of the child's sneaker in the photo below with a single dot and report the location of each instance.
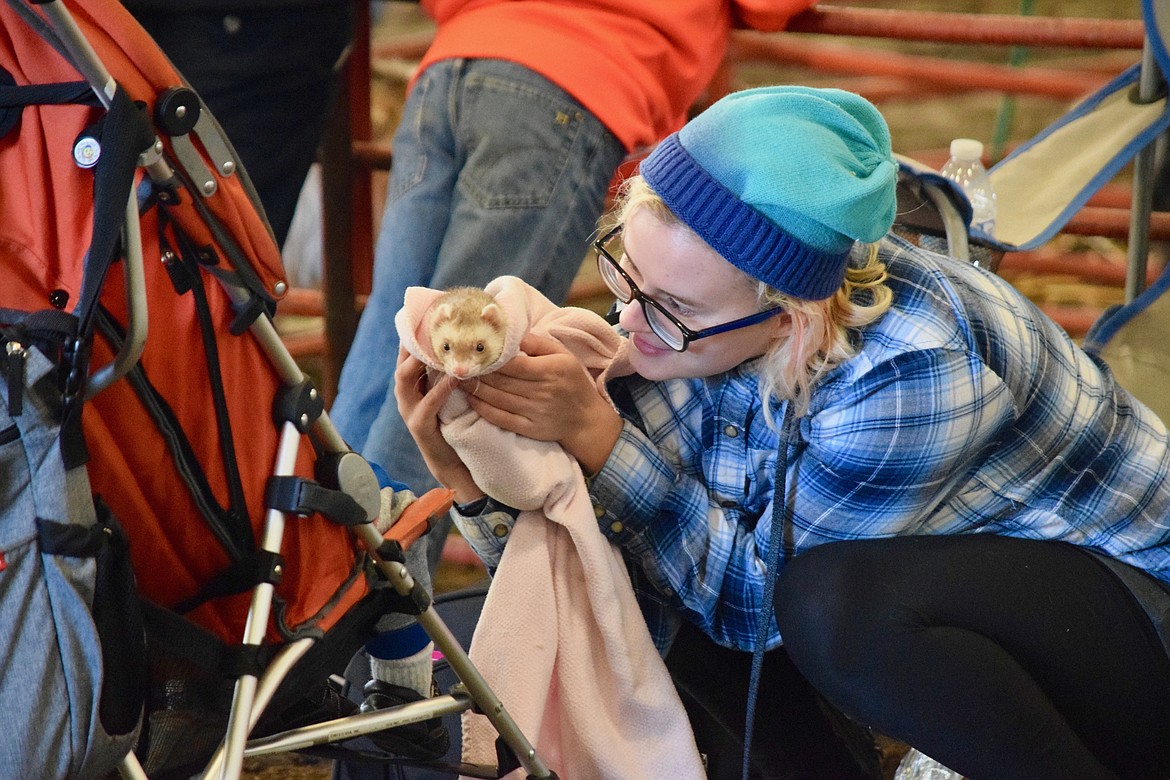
(426, 740)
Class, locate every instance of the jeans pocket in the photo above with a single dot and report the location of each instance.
(409, 144)
(518, 138)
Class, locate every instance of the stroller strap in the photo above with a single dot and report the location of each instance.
(66, 93)
(14, 97)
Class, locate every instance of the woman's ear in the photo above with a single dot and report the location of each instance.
(780, 326)
(776, 334)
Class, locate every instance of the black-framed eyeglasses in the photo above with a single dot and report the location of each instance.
(665, 325)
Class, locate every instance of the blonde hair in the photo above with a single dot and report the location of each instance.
(821, 334)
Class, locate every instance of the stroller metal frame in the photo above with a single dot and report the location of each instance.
(251, 694)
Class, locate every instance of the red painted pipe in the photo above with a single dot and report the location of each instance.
(963, 75)
(1087, 268)
(1114, 223)
(1076, 320)
(935, 26)
(985, 29)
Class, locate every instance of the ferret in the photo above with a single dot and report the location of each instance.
(466, 328)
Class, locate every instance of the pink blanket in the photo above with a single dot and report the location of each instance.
(561, 639)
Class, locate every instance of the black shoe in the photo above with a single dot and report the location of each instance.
(426, 740)
(319, 703)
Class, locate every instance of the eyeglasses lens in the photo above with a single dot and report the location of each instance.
(663, 326)
(613, 279)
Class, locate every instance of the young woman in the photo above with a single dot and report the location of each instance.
(964, 519)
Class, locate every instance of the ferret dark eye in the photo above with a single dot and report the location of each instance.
(446, 346)
(479, 346)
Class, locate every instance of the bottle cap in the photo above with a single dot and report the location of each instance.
(966, 149)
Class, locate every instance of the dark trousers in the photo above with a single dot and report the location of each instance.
(268, 77)
(1002, 658)
(798, 736)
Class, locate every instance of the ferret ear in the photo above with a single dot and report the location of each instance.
(442, 313)
(493, 315)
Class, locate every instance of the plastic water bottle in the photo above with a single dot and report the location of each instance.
(965, 168)
(919, 766)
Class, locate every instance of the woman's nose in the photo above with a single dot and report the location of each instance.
(631, 316)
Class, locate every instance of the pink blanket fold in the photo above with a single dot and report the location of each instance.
(561, 640)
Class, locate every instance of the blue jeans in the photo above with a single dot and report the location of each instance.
(496, 171)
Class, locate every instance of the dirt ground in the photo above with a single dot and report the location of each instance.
(287, 767)
(922, 124)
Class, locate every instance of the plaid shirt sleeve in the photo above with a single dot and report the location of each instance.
(486, 525)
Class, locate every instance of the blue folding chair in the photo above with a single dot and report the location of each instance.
(1044, 182)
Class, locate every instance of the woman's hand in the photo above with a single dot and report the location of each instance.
(419, 406)
(546, 394)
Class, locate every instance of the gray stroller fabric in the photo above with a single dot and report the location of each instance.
(53, 658)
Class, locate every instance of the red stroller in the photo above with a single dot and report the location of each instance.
(257, 564)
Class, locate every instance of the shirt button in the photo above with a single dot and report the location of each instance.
(500, 530)
(730, 431)
(598, 511)
(728, 504)
(616, 526)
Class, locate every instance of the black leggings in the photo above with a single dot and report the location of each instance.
(1001, 658)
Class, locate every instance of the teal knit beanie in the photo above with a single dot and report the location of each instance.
(781, 181)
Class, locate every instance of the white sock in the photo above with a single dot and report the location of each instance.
(413, 672)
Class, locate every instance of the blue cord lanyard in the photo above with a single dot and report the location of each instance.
(776, 542)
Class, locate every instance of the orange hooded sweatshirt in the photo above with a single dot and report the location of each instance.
(637, 65)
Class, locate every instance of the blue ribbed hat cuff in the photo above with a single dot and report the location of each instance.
(746, 238)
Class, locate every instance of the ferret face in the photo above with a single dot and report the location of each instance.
(466, 350)
(467, 329)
